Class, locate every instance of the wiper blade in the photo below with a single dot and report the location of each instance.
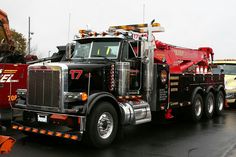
(79, 57)
(104, 57)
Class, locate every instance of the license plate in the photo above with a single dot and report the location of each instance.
(42, 118)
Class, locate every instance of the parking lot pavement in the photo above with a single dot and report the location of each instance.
(179, 138)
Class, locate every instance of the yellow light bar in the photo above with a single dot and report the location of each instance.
(156, 25)
(82, 31)
(135, 27)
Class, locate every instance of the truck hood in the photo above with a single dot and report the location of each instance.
(230, 82)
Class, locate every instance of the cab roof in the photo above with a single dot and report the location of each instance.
(225, 61)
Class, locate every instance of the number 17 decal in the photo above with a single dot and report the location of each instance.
(75, 74)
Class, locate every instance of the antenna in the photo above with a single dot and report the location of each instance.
(29, 38)
(69, 29)
(143, 12)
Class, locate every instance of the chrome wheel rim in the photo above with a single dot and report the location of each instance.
(105, 125)
(198, 107)
(210, 104)
(220, 102)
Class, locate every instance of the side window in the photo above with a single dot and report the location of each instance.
(136, 45)
(128, 51)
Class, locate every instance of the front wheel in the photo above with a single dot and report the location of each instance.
(102, 125)
(197, 107)
(219, 104)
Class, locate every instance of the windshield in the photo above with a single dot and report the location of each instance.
(96, 49)
(229, 69)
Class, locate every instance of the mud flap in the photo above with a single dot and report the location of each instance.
(168, 114)
(6, 143)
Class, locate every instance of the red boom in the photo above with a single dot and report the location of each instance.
(183, 59)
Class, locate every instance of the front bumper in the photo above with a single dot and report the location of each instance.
(58, 125)
(230, 97)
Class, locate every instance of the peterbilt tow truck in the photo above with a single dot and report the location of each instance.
(119, 77)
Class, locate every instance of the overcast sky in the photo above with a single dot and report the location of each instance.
(187, 23)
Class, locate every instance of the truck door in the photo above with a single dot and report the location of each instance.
(130, 53)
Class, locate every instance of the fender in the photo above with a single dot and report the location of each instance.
(95, 97)
(195, 91)
(209, 88)
(220, 87)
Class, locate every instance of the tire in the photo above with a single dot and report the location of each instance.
(219, 103)
(209, 104)
(102, 125)
(197, 108)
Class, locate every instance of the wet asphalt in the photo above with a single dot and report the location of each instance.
(177, 138)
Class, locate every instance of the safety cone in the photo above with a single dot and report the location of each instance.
(6, 143)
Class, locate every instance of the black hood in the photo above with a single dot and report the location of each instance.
(79, 73)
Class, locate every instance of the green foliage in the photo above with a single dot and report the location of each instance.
(20, 41)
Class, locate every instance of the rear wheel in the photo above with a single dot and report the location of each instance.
(209, 105)
(197, 108)
(219, 104)
(102, 125)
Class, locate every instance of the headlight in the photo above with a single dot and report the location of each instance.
(75, 96)
(21, 93)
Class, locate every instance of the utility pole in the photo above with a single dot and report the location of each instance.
(29, 36)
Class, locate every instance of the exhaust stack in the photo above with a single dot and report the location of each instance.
(149, 60)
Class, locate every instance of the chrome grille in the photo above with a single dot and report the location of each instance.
(44, 88)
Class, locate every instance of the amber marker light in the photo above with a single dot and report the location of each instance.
(74, 137)
(67, 136)
(84, 96)
(35, 130)
(14, 127)
(50, 133)
(58, 134)
(27, 129)
(42, 131)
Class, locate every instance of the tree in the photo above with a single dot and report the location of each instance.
(20, 41)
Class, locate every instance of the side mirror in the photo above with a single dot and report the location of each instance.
(221, 71)
(68, 50)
